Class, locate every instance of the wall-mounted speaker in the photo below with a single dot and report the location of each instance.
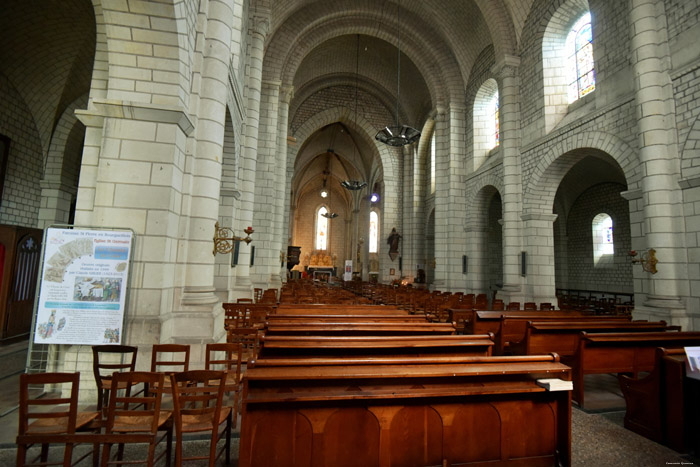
(252, 256)
(465, 264)
(400, 263)
(523, 263)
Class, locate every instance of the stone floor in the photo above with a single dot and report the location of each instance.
(598, 435)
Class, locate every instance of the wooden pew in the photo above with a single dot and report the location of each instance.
(490, 321)
(663, 405)
(511, 325)
(375, 346)
(336, 309)
(623, 352)
(359, 329)
(399, 414)
(562, 337)
(330, 318)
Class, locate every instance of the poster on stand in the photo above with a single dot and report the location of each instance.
(82, 298)
(347, 276)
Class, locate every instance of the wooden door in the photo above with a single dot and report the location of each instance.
(21, 287)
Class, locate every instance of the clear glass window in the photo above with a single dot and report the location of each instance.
(603, 242)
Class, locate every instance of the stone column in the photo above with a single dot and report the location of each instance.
(56, 198)
(506, 72)
(457, 199)
(442, 208)
(279, 236)
(540, 274)
(266, 250)
(663, 227)
(206, 173)
(259, 28)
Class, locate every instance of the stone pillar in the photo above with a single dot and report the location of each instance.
(456, 219)
(540, 274)
(663, 226)
(56, 198)
(266, 249)
(410, 219)
(442, 208)
(259, 28)
(198, 293)
(279, 236)
(508, 91)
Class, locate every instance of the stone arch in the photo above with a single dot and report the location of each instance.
(554, 60)
(556, 160)
(387, 157)
(476, 197)
(61, 174)
(691, 152)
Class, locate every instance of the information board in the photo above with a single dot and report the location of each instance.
(82, 297)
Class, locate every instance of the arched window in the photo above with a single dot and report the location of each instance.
(373, 232)
(432, 163)
(492, 121)
(321, 229)
(579, 50)
(603, 245)
(486, 121)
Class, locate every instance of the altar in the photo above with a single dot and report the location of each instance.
(320, 265)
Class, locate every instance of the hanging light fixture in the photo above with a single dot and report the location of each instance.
(329, 192)
(354, 185)
(398, 135)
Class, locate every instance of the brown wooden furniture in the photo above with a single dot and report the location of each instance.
(663, 405)
(44, 420)
(515, 322)
(106, 359)
(630, 352)
(542, 337)
(161, 364)
(330, 318)
(337, 309)
(414, 413)
(227, 358)
(138, 418)
(248, 338)
(360, 329)
(20, 251)
(198, 407)
(375, 346)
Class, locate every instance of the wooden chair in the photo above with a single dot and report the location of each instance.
(498, 305)
(230, 363)
(198, 407)
(123, 358)
(244, 300)
(57, 416)
(161, 365)
(546, 306)
(249, 340)
(137, 419)
(529, 306)
(257, 294)
(513, 306)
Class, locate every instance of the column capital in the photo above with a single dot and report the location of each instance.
(506, 67)
(261, 21)
(287, 92)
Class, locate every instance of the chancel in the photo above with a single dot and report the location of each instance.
(460, 159)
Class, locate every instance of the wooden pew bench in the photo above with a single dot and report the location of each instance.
(623, 352)
(663, 405)
(542, 337)
(395, 414)
(330, 318)
(325, 309)
(359, 329)
(490, 321)
(375, 346)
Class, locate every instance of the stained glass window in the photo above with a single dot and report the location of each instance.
(373, 232)
(579, 48)
(321, 229)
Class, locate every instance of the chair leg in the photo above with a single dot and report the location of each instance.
(228, 437)
(95, 454)
(44, 452)
(67, 454)
(168, 446)
(106, 448)
(21, 455)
